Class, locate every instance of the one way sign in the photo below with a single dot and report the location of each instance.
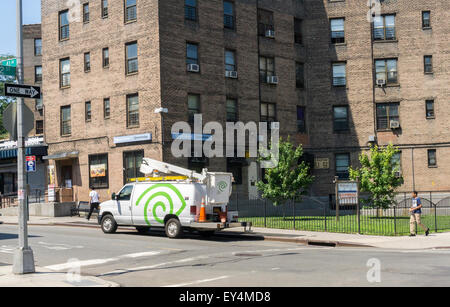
(24, 91)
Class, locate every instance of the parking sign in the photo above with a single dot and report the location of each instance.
(31, 164)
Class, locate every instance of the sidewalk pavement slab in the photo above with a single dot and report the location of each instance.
(46, 278)
(433, 241)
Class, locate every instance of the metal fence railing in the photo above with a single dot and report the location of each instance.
(319, 214)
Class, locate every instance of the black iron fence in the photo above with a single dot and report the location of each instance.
(319, 214)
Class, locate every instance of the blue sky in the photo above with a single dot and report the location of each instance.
(31, 14)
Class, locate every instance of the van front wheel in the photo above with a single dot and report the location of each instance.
(109, 225)
(173, 229)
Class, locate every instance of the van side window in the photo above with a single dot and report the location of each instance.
(125, 194)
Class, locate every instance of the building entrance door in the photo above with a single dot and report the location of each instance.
(66, 176)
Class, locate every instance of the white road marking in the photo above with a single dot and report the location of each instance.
(7, 249)
(55, 246)
(196, 282)
(84, 263)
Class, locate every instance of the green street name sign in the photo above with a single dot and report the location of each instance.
(7, 71)
(10, 62)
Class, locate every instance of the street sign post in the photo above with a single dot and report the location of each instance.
(9, 62)
(31, 164)
(7, 71)
(22, 91)
(10, 120)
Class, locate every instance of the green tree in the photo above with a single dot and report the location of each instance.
(378, 176)
(290, 179)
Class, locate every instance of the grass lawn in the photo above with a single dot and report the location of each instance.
(370, 225)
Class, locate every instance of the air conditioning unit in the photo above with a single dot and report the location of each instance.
(231, 74)
(398, 174)
(395, 124)
(272, 79)
(372, 139)
(193, 68)
(381, 82)
(270, 34)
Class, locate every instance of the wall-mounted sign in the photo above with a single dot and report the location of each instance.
(31, 164)
(146, 137)
(322, 163)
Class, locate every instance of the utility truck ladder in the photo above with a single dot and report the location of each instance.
(149, 166)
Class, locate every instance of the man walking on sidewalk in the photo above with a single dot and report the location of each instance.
(416, 212)
(94, 201)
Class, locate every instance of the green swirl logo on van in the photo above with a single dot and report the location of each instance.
(222, 186)
(158, 191)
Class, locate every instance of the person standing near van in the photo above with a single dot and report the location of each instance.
(416, 212)
(94, 201)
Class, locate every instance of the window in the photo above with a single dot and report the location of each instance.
(300, 75)
(37, 74)
(266, 68)
(190, 10)
(426, 19)
(265, 22)
(301, 119)
(87, 62)
(342, 166)
(235, 167)
(132, 110)
(232, 110)
(64, 68)
(429, 105)
(130, 11)
(87, 111)
(64, 25)
(387, 70)
(125, 194)
(37, 47)
(38, 104)
(86, 12)
(384, 27)
(131, 58)
(298, 33)
(268, 112)
(387, 113)
(432, 162)
(428, 64)
(106, 108)
(39, 127)
(191, 53)
(105, 54)
(98, 171)
(337, 31)
(230, 60)
(66, 125)
(397, 161)
(132, 164)
(340, 118)
(105, 12)
(339, 74)
(228, 14)
(193, 106)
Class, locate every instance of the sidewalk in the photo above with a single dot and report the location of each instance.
(433, 241)
(46, 278)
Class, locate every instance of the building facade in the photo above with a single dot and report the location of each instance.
(335, 80)
(35, 143)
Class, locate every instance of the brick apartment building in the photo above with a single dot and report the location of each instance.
(334, 81)
(32, 57)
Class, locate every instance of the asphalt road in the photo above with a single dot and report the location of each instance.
(131, 259)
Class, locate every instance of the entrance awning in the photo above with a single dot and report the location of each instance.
(30, 151)
(63, 156)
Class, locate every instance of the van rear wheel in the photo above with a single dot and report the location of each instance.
(173, 229)
(109, 225)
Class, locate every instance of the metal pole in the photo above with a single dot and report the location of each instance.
(23, 255)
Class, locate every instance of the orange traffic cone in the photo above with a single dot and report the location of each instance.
(202, 217)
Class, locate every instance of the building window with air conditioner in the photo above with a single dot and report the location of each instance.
(386, 69)
(384, 28)
(192, 61)
(337, 30)
(388, 116)
(429, 106)
(230, 64)
(339, 74)
(267, 70)
(266, 26)
(131, 53)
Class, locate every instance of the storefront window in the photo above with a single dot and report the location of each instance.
(98, 171)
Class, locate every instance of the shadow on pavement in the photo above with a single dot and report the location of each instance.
(11, 236)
